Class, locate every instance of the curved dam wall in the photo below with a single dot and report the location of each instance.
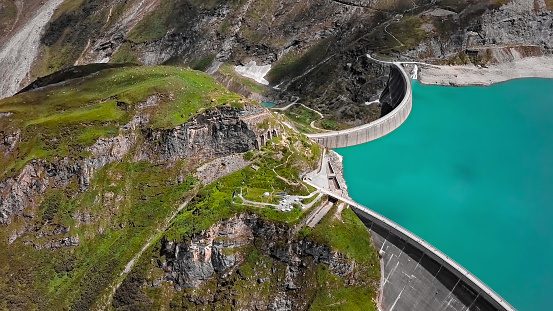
(417, 276)
(397, 97)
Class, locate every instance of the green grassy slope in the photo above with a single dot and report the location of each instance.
(126, 202)
(61, 120)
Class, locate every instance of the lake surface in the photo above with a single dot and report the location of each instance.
(268, 104)
(471, 172)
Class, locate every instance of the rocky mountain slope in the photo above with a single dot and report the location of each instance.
(117, 192)
(315, 49)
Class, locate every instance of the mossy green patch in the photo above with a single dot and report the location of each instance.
(124, 55)
(302, 118)
(294, 64)
(126, 205)
(153, 26)
(347, 235)
(333, 295)
(219, 200)
(8, 15)
(203, 63)
(408, 32)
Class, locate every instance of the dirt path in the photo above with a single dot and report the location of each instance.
(106, 300)
(318, 214)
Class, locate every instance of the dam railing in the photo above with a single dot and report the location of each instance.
(373, 130)
(426, 248)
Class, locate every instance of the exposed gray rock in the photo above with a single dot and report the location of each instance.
(215, 133)
(70, 241)
(218, 132)
(188, 264)
(8, 142)
(217, 251)
(516, 24)
(220, 167)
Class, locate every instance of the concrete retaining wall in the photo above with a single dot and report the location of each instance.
(417, 276)
(376, 129)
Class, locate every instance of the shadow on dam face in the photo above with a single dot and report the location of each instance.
(413, 280)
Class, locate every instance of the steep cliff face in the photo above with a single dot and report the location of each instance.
(519, 28)
(95, 168)
(216, 133)
(20, 34)
(218, 251)
(247, 262)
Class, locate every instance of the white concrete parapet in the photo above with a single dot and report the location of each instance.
(373, 130)
(427, 249)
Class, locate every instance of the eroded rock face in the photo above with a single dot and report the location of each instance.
(216, 133)
(519, 23)
(188, 264)
(520, 28)
(220, 250)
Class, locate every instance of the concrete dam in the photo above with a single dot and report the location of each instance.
(415, 275)
(397, 100)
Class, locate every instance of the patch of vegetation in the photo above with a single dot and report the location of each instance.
(460, 59)
(180, 14)
(203, 63)
(50, 206)
(224, 27)
(408, 32)
(334, 295)
(302, 118)
(348, 236)
(153, 26)
(256, 279)
(294, 64)
(8, 14)
(332, 124)
(124, 55)
(126, 204)
(66, 36)
(218, 200)
(53, 59)
(329, 124)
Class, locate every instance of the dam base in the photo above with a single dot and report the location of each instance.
(411, 280)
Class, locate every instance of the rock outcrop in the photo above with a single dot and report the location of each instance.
(520, 28)
(220, 251)
(216, 133)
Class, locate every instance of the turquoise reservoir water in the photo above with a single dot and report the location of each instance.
(268, 104)
(471, 172)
